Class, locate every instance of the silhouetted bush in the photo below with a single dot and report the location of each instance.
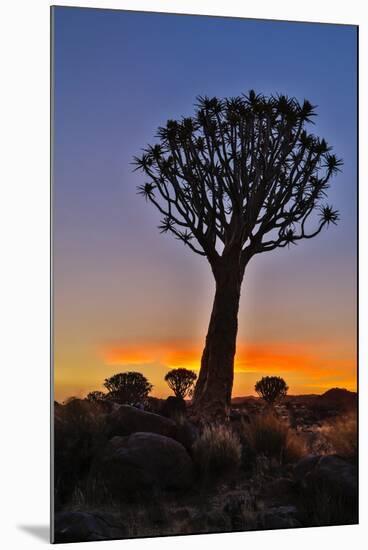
(79, 429)
(266, 435)
(131, 388)
(217, 451)
(96, 396)
(181, 382)
(271, 388)
(342, 434)
(70, 399)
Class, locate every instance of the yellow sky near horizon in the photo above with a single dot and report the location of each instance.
(306, 368)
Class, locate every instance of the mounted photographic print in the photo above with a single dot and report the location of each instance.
(204, 174)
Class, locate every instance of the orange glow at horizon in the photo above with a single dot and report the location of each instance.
(306, 370)
(306, 367)
(249, 357)
(182, 354)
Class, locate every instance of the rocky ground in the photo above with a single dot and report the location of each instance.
(122, 472)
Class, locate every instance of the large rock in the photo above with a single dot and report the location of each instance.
(280, 517)
(174, 407)
(330, 471)
(186, 434)
(143, 461)
(305, 466)
(127, 420)
(86, 527)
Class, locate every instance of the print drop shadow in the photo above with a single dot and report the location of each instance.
(41, 532)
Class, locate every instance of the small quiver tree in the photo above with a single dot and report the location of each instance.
(96, 395)
(272, 389)
(131, 388)
(181, 381)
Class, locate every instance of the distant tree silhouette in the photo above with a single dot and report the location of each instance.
(96, 396)
(130, 388)
(271, 389)
(239, 178)
(181, 381)
(70, 399)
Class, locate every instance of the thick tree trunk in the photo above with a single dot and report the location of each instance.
(212, 393)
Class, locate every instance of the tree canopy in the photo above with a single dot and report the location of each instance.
(131, 388)
(241, 172)
(181, 381)
(95, 395)
(271, 389)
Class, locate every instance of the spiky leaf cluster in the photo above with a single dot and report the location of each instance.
(181, 381)
(242, 174)
(130, 388)
(95, 396)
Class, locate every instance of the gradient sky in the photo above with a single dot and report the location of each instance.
(128, 298)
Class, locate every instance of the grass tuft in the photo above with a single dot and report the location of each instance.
(342, 435)
(267, 435)
(217, 451)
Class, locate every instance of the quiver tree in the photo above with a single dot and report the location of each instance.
(131, 388)
(241, 177)
(271, 388)
(181, 381)
(95, 396)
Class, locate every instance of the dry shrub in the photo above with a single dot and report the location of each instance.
(267, 435)
(79, 420)
(217, 451)
(79, 431)
(342, 435)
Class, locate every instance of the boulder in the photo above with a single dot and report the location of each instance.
(86, 527)
(127, 420)
(331, 471)
(107, 405)
(154, 405)
(280, 517)
(186, 434)
(305, 466)
(143, 461)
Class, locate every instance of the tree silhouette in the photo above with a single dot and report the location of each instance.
(130, 388)
(181, 381)
(271, 389)
(239, 178)
(96, 395)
